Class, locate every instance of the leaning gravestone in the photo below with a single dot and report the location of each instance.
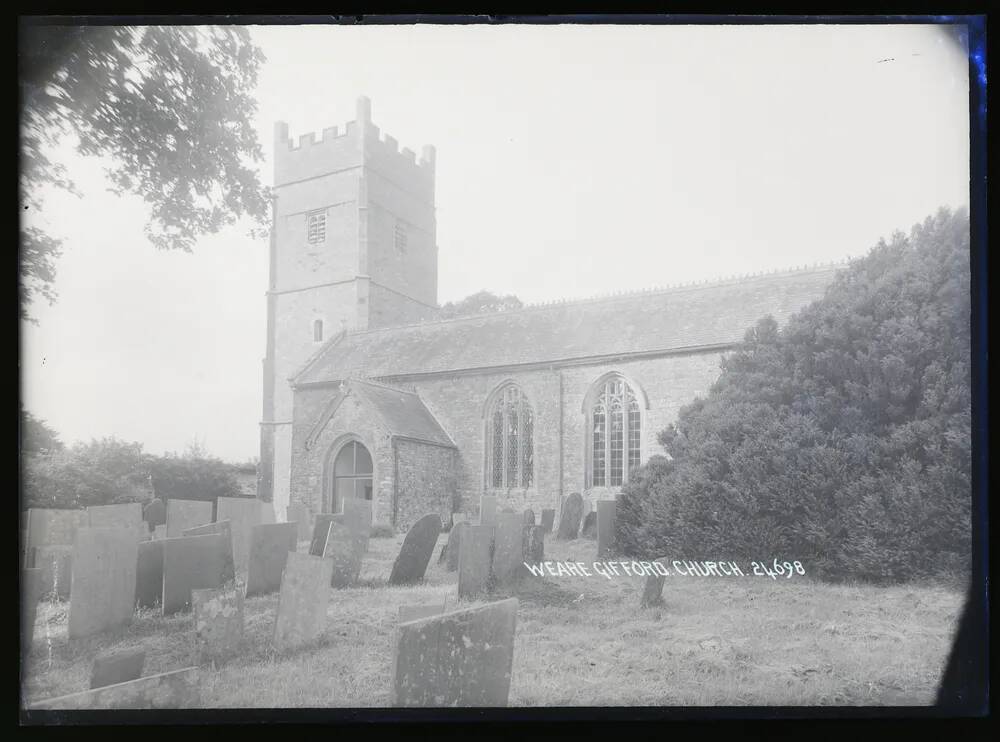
(298, 514)
(409, 613)
(243, 513)
(102, 595)
(155, 514)
(192, 563)
(184, 514)
(126, 515)
(589, 527)
(534, 544)
(475, 552)
(652, 591)
(112, 668)
(548, 518)
(345, 551)
(606, 528)
(507, 548)
(270, 544)
(321, 528)
(463, 658)
(31, 593)
(224, 529)
(149, 574)
(416, 551)
(487, 510)
(56, 563)
(302, 604)
(218, 623)
(569, 518)
(528, 517)
(169, 690)
(453, 546)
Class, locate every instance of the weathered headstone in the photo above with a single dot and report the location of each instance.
(243, 513)
(297, 513)
(454, 545)
(548, 518)
(457, 518)
(160, 532)
(589, 527)
(155, 513)
(463, 658)
(508, 548)
(569, 518)
(345, 551)
(267, 516)
(652, 590)
(533, 544)
(56, 563)
(184, 514)
(303, 601)
(528, 517)
(31, 593)
(112, 668)
(169, 690)
(606, 527)
(102, 593)
(125, 515)
(192, 563)
(270, 544)
(52, 527)
(487, 510)
(416, 551)
(149, 574)
(218, 623)
(224, 529)
(358, 517)
(475, 552)
(413, 612)
(321, 527)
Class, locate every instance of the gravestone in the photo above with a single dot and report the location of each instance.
(149, 574)
(463, 658)
(31, 594)
(457, 518)
(454, 545)
(652, 590)
(303, 601)
(416, 551)
(56, 563)
(117, 667)
(358, 517)
(321, 528)
(345, 551)
(126, 515)
(569, 518)
(224, 529)
(267, 516)
(52, 527)
(487, 510)
(589, 527)
(184, 514)
(160, 532)
(298, 514)
(102, 592)
(534, 545)
(269, 547)
(606, 528)
(528, 517)
(475, 552)
(218, 623)
(548, 518)
(243, 513)
(192, 563)
(507, 548)
(169, 690)
(155, 514)
(413, 612)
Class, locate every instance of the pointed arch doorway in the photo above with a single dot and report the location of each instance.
(350, 475)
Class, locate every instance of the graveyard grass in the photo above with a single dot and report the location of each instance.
(579, 642)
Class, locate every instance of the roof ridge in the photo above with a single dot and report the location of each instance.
(380, 384)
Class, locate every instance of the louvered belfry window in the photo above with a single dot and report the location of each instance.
(615, 434)
(510, 451)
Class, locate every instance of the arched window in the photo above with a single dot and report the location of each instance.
(615, 428)
(510, 451)
(352, 476)
(317, 330)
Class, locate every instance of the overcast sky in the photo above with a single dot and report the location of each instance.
(571, 161)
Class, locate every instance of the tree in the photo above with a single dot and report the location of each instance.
(37, 436)
(170, 109)
(843, 440)
(479, 303)
(193, 476)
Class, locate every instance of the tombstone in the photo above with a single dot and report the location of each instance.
(184, 514)
(126, 515)
(102, 592)
(475, 551)
(56, 563)
(303, 601)
(569, 518)
(218, 623)
(269, 547)
(169, 690)
(345, 552)
(548, 518)
(528, 517)
(416, 551)
(31, 592)
(160, 532)
(652, 591)
(51, 527)
(321, 528)
(243, 513)
(414, 612)
(453, 546)
(358, 517)
(606, 527)
(267, 516)
(298, 514)
(224, 529)
(507, 548)
(589, 528)
(149, 574)
(113, 668)
(155, 514)
(487, 510)
(533, 545)
(463, 658)
(457, 518)
(192, 563)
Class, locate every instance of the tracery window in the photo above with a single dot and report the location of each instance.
(615, 433)
(510, 450)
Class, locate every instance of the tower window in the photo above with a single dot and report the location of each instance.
(399, 236)
(316, 227)
(317, 330)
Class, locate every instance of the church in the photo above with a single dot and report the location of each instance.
(368, 394)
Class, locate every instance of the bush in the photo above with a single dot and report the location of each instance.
(843, 440)
(382, 530)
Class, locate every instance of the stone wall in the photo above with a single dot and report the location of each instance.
(425, 482)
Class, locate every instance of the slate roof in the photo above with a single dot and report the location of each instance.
(664, 320)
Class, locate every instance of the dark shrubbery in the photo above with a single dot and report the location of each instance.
(842, 440)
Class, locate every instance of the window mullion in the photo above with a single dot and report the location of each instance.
(607, 433)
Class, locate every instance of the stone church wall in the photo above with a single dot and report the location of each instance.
(425, 482)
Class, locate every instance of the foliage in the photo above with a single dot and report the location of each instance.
(381, 530)
(37, 436)
(843, 440)
(479, 303)
(193, 476)
(170, 109)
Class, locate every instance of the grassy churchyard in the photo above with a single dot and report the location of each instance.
(579, 642)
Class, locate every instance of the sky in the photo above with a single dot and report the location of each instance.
(571, 161)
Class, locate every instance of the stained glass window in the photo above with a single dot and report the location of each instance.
(510, 452)
(615, 434)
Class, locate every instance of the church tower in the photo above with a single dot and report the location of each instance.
(353, 247)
